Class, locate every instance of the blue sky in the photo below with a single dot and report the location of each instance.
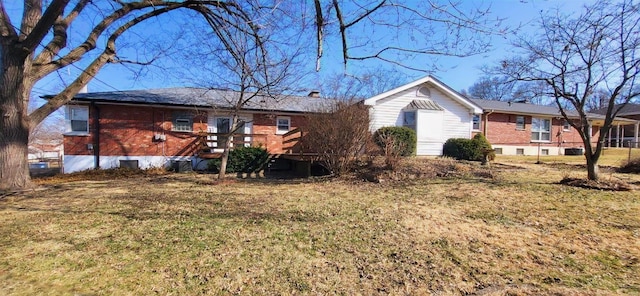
(459, 73)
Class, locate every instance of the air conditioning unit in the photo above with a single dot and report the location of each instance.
(182, 166)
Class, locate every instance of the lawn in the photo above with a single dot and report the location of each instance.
(515, 231)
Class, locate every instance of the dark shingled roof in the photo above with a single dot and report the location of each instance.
(629, 109)
(204, 98)
(532, 109)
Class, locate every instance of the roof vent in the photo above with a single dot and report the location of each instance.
(314, 94)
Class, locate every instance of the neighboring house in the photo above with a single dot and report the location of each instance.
(515, 128)
(150, 128)
(45, 150)
(431, 108)
(624, 135)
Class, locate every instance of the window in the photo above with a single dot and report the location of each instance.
(409, 119)
(77, 120)
(519, 122)
(519, 151)
(498, 150)
(182, 122)
(476, 121)
(423, 92)
(283, 124)
(544, 152)
(540, 130)
(566, 126)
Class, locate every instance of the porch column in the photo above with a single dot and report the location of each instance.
(618, 136)
(609, 135)
(636, 131)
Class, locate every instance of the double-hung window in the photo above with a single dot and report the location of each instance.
(476, 122)
(77, 120)
(520, 122)
(283, 124)
(540, 130)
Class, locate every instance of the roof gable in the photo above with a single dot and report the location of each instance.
(445, 89)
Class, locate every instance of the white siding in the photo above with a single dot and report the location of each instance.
(456, 118)
(76, 163)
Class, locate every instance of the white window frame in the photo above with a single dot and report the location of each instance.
(181, 117)
(282, 131)
(524, 123)
(71, 112)
(540, 132)
(473, 122)
(566, 126)
(413, 126)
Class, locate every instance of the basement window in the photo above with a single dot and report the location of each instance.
(77, 120)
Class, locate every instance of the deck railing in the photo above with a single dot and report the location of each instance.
(211, 144)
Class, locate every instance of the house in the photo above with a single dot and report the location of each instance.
(435, 111)
(520, 128)
(157, 127)
(624, 135)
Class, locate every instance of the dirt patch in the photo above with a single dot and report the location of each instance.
(612, 185)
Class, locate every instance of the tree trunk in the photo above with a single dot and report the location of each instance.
(593, 169)
(14, 122)
(233, 125)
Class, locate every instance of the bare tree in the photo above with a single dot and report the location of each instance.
(252, 69)
(39, 46)
(579, 56)
(492, 88)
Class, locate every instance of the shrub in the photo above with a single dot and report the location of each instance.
(632, 166)
(338, 133)
(402, 140)
(458, 148)
(468, 149)
(243, 160)
(482, 144)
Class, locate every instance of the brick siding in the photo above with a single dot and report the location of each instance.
(130, 130)
(501, 130)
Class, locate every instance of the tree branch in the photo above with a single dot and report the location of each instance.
(44, 24)
(6, 28)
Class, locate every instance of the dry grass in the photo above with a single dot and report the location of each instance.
(609, 157)
(516, 233)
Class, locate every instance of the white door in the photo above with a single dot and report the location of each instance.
(429, 132)
(222, 124)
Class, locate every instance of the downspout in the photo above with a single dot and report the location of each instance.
(486, 123)
(96, 136)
